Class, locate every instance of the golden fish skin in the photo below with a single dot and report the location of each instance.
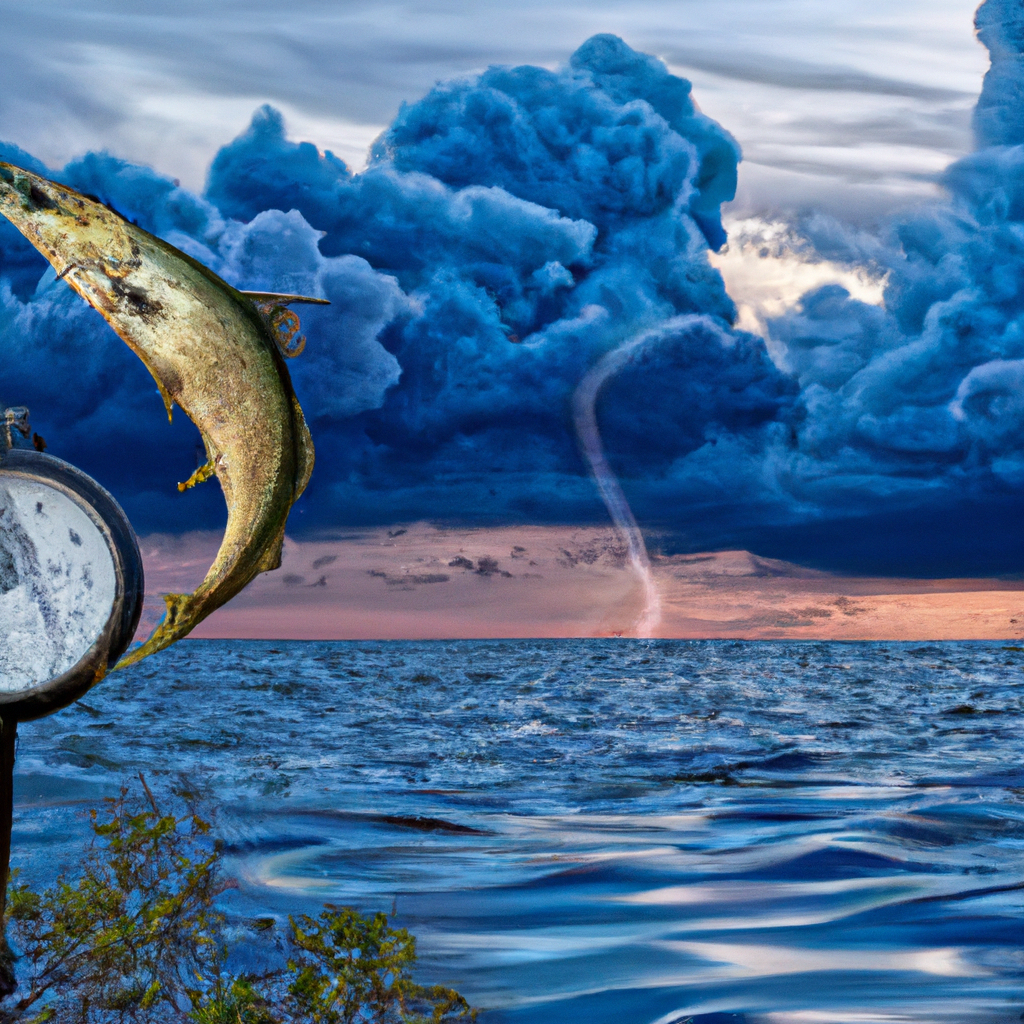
(209, 351)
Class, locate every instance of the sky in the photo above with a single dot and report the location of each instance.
(873, 94)
(820, 246)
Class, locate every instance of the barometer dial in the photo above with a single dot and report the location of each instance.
(71, 583)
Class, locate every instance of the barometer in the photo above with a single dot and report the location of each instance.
(71, 590)
(71, 584)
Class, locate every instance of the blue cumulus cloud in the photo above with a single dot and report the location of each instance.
(912, 426)
(509, 230)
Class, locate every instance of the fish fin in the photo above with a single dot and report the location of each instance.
(164, 393)
(201, 474)
(281, 299)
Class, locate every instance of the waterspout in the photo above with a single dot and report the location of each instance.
(584, 400)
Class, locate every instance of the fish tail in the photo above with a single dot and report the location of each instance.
(201, 474)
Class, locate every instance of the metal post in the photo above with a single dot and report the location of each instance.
(8, 737)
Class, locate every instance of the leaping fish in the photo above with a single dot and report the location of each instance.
(214, 351)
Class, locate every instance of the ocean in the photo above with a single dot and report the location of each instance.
(598, 831)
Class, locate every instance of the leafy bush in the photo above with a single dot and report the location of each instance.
(136, 936)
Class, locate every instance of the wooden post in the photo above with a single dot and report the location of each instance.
(8, 736)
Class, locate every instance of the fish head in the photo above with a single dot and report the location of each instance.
(45, 212)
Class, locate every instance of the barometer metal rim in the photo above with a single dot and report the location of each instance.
(129, 584)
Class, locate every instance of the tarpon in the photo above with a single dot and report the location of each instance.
(211, 350)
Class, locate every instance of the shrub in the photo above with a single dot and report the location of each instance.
(137, 935)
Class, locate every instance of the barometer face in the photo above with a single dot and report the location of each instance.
(71, 583)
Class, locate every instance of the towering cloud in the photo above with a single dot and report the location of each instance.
(508, 231)
(916, 410)
(512, 229)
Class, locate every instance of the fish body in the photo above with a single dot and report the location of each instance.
(210, 352)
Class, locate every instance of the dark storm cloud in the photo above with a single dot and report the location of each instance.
(914, 411)
(511, 229)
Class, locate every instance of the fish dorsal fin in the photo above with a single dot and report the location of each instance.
(284, 299)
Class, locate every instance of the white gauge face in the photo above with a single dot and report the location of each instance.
(57, 583)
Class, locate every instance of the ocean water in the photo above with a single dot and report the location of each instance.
(600, 831)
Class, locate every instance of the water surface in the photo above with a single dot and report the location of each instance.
(601, 831)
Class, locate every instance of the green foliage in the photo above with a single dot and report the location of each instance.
(348, 968)
(136, 936)
(233, 1002)
(131, 932)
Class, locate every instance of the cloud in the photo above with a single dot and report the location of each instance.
(799, 74)
(611, 136)
(509, 230)
(158, 87)
(914, 406)
(92, 399)
(513, 227)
